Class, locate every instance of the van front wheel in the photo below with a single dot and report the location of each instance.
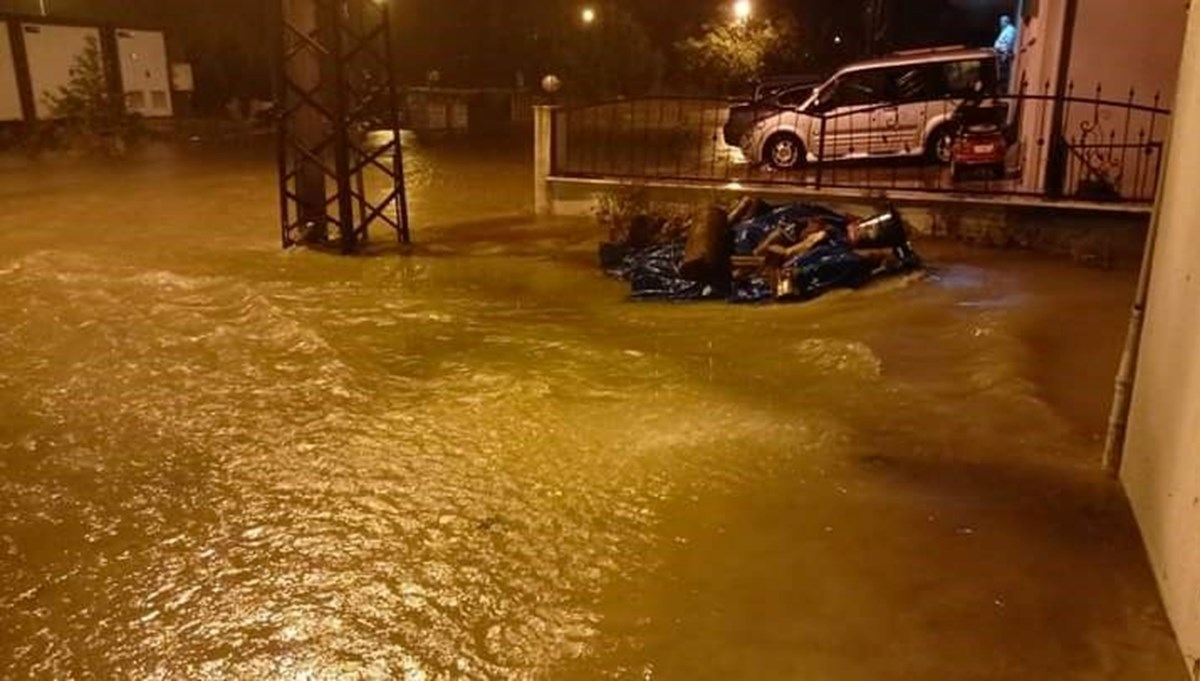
(784, 151)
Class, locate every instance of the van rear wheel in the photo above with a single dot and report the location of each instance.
(785, 151)
(939, 148)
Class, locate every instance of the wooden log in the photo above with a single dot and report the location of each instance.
(748, 261)
(706, 257)
(776, 239)
(747, 209)
(882, 231)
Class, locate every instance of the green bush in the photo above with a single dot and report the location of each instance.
(89, 116)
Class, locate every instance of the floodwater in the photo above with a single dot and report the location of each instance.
(477, 460)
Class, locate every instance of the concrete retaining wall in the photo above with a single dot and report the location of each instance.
(1104, 237)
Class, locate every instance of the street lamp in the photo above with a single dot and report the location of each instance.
(742, 9)
(588, 15)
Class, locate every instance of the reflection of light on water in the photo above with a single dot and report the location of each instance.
(379, 138)
(413, 670)
(960, 277)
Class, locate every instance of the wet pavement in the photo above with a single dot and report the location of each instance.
(478, 460)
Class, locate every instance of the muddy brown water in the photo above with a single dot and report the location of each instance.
(478, 460)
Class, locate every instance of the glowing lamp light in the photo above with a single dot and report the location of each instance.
(588, 15)
(551, 84)
(742, 9)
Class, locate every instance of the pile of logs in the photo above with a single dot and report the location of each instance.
(709, 259)
(756, 252)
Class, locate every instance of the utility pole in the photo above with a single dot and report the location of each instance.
(307, 122)
(337, 83)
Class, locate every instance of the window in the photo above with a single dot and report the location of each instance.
(135, 101)
(914, 83)
(966, 78)
(858, 89)
(795, 96)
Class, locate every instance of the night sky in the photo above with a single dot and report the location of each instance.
(485, 42)
(915, 22)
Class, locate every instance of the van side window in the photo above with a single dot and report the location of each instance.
(859, 89)
(917, 83)
(963, 77)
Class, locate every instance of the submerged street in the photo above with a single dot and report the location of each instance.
(479, 460)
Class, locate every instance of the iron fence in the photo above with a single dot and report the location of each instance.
(1040, 143)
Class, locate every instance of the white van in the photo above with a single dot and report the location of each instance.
(900, 105)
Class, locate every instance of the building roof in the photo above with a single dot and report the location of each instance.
(925, 56)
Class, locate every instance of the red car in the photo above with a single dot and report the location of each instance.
(980, 143)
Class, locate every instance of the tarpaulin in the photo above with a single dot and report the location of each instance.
(803, 251)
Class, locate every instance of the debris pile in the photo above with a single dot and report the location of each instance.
(758, 253)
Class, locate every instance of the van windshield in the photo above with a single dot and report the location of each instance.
(795, 96)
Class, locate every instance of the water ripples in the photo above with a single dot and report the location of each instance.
(262, 488)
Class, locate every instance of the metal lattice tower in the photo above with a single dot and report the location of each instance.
(336, 84)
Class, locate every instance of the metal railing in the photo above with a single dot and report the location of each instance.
(1103, 150)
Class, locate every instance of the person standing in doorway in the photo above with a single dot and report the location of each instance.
(1006, 46)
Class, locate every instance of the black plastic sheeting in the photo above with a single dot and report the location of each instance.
(654, 272)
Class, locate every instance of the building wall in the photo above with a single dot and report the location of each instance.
(1162, 465)
(1122, 45)
(10, 95)
(1118, 50)
(1035, 73)
(145, 72)
(1117, 44)
(1038, 53)
(53, 51)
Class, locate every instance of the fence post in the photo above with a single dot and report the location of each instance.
(821, 153)
(543, 158)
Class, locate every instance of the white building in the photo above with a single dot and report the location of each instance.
(1123, 46)
(1114, 51)
(1162, 452)
(39, 55)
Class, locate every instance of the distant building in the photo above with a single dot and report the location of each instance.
(38, 55)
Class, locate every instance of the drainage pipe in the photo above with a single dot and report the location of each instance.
(1118, 421)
